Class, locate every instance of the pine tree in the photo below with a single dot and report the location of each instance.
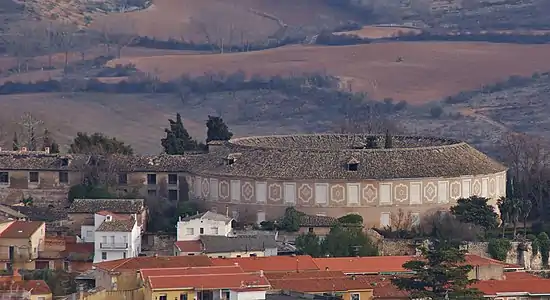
(217, 130)
(441, 274)
(15, 142)
(177, 139)
(389, 140)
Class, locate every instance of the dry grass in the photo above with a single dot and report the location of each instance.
(377, 32)
(186, 18)
(428, 71)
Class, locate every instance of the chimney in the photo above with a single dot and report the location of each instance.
(227, 211)
(47, 150)
(261, 273)
(23, 149)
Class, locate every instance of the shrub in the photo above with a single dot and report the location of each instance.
(436, 111)
(544, 247)
(498, 248)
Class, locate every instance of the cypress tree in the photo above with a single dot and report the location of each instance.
(389, 140)
(177, 139)
(217, 130)
(15, 145)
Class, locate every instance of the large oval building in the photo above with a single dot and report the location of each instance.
(335, 174)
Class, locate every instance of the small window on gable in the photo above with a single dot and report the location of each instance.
(353, 164)
(232, 158)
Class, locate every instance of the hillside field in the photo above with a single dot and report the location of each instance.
(428, 70)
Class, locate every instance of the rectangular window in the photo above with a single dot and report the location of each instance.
(89, 235)
(123, 254)
(385, 219)
(63, 177)
(201, 230)
(104, 239)
(152, 193)
(151, 178)
(183, 296)
(355, 296)
(122, 178)
(4, 177)
(104, 255)
(172, 178)
(415, 219)
(215, 230)
(163, 297)
(66, 265)
(189, 231)
(173, 195)
(33, 177)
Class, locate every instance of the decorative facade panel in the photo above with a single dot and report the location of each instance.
(290, 192)
(260, 216)
(247, 191)
(385, 193)
(430, 192)
(305, 194)
(401, 192)
(321, 193)
(214, 188)
(455, 190)
(235, 190)
(476, 188)
(224, 191)
(198, 187)
(492, 187)
(370, 193)
(353, 193)
(275, 193)
(466, 189)
(485, 187)
(497, 186)
(261, 192)
(205, 188)
(337, 195)
(443, 192)
(416, 193)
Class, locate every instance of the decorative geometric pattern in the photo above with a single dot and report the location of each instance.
(455, 190)
(224, 190)
(305, 193)
(275, 192)
(205, 188)
(370, 193)
(337, 193)
(191, 181)
(492, 187)
(247, 191)
(477, 188)
(401, 192)
(430, 192)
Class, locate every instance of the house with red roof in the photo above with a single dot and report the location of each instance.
(20, 242)
(15, 288)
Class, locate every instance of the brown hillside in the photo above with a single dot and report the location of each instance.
(428, 71)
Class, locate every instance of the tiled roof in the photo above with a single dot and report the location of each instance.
(320, 285)
(45, 214)
(209, 281)
(306, 274)
(189, 246)
(21, 229)
(208, 216)
(79, 251)
(148, 262)
(146, 273)
(522, 285)
(389, 264)
(35, 287)
(118, 223)
(326, 156)
(11, 212)
(130, 206)
(317, 221)
(270, 263)
(219, 243)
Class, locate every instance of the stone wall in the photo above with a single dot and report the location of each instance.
(526, 259)
(158, 243)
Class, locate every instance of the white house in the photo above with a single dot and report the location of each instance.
(114, 236)
(208, 223)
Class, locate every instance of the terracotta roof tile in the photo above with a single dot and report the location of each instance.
(538, 286)
(146, 273)
(320, 285)
(35, 287)
(244, 243)
(305, 274)
(270, 263)
(208, 215)
(189, 246)
(292, 156)
(120, 206)
(317, 221)
(147, 262)
(388, 264)
(210, 281)
(118, 223)
(21, 229)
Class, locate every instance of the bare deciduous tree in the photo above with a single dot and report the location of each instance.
(118, 34)
(31, 131)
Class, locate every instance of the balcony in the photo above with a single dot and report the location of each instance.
(113, 245)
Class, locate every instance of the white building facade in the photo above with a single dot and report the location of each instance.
(208, 223)
(114, 236)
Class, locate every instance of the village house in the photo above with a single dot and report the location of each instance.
(115, 236)
(82, 212)
(319, 225)
(13, 287)
(7, 214)
(224, 246)
(208, 223)
(65, 253)
(20, 243)
(270, 264)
